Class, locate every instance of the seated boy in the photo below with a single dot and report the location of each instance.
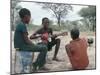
(24, 46)
(77, 51)
(46, 30)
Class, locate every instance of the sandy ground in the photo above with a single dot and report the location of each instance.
(64, 64)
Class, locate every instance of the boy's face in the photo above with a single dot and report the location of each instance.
(45, 23)
(27, 19)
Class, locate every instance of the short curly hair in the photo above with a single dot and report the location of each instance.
(75, 33)
(24, 12)
(44, 19)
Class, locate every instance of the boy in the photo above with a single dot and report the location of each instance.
(24, 46)
(44, 31)
(77, 51)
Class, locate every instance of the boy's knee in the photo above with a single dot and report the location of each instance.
(58, 40)
(45, 48)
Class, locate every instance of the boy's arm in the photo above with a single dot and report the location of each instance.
(35, 35)
(68, 51)
(25, 35)
(53, 35)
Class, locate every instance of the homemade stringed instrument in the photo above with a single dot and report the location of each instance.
(46, 36)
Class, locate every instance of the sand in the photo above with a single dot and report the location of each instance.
(64, 64)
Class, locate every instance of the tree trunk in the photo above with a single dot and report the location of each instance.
(59, 23)
(59, 19)
(12, 20)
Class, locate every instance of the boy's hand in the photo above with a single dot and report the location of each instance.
(54, 36)
(25, 35)
(45, 37)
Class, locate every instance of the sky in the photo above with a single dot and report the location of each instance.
(38, 13)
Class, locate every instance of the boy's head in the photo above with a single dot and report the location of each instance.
(25, 15)
(75, 33)
(45, 22)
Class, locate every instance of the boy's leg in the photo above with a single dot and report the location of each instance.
(26, 58)
(41, 59)
(57, 43)
(42, 48)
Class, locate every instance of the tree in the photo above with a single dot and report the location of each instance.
(14, 13)
(89, 14)
(59, 10)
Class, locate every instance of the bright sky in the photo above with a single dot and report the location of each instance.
(38, 13)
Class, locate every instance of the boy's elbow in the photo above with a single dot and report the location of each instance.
(67, 48)
(31, 37)
(26, 41)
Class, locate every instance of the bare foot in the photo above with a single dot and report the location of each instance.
(56, 59)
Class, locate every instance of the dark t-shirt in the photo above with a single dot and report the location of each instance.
(19, 41)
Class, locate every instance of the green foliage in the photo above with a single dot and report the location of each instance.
(14, 13)
(89, 15)
(88, 12)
